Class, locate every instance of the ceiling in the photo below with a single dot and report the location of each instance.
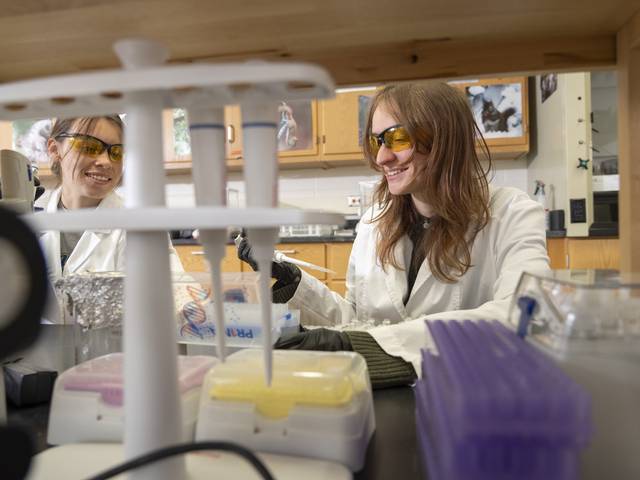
(359, 41)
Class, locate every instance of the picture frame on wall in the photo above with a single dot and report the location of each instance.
(497, 108)
(548, 85)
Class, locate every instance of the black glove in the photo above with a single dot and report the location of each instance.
(285, 273)
(317, 339)
(39, 189)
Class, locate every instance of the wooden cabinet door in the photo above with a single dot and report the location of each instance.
(557, 251)
(297, 128)
(338, 260)
(594, 253)
(309, 252)
(194, 260)
(233, 122)
(343, 121)
(338, 286)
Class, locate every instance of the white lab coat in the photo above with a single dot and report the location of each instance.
(98, 250)
(513, 241)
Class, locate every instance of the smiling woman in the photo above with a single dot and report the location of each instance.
(87, 156)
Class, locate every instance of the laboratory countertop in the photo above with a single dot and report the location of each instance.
(392, 451)
(323, 239)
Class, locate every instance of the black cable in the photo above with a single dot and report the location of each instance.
(171, 451)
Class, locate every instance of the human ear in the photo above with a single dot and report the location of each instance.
(52, 151)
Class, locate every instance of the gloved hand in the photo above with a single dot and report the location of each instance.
(39, 189)
(323, 339)
(285, 273)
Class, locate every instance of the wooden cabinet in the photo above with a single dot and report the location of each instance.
(500, 107)
(338, 261)
(588, 253)
(297, 134)
(193, 259)
(594, 253)
(309, 252)
(334, 256)
(342, 123)
(330, 132)
(557, 251)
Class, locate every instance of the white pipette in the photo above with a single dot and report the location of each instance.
(259, 124)
(206, 127)
(280, 257)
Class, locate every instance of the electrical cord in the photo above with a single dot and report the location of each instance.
(171, 451)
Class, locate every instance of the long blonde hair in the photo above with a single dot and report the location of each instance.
(441, 126)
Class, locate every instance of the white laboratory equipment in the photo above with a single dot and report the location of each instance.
(87, 402)
(588, 321)
(16, 181)
(319, 405)
(142, 90)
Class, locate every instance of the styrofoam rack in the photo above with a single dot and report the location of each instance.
(163, 219)
(107, 91)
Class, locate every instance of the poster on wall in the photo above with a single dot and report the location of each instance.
(497, 109)
(548, 85)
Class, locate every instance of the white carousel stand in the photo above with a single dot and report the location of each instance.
(76, 462)
(142, 90)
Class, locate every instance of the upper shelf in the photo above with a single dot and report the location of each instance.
(105, 92)
(153, 219)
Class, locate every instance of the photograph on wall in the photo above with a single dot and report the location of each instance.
(548, 85)
(364, 102)
(497, 109)
(295, 125)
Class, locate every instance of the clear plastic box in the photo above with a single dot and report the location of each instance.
(95, 303)
(319, 405)
(588, 321)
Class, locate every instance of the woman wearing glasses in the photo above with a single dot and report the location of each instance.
(439, 244)
(86, 156)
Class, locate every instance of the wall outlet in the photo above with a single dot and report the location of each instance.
(353, 200)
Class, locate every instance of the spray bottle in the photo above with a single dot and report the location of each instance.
(541, 198)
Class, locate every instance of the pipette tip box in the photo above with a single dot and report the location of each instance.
(88, 399)
(319, 405)
(489, 406)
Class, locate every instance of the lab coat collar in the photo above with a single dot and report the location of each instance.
(113, 200)
(89, 240)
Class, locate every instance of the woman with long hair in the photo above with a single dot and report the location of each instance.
(439, 243)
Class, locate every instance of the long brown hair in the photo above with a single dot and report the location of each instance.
(85, 125)
(454, 183)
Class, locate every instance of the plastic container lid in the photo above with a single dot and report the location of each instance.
(104, 375)
(320, 379)
(578, 306)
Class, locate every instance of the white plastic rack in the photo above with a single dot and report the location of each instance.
(142, 90)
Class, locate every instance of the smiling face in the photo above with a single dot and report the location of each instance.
(87, 179)
(399, 168)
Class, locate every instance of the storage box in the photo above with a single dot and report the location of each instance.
(319, 405)
(87, 404)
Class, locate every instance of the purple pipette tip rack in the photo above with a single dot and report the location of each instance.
(490, 406)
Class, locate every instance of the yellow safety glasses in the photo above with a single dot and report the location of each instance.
(396, 138)
(93, 147)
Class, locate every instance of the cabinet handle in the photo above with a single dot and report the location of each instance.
(231, 133)
(197, 253)
(289, 252)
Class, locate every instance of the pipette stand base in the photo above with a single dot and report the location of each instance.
(79, 461)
